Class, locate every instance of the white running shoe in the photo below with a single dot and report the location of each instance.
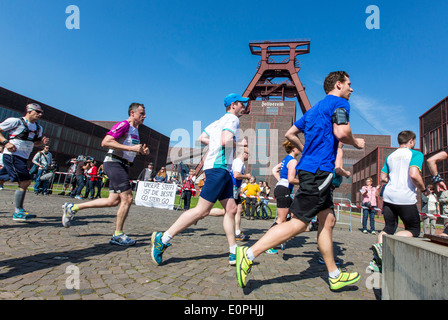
(68, 214)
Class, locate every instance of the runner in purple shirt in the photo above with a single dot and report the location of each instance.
(124, 144)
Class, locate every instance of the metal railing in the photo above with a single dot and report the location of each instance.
(60, 181)
(338, 211)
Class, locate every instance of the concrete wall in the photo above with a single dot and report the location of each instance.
(414, 269)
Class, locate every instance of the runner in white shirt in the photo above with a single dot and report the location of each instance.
(221, 137)
(24, 135)
(238, 174)
(402, 175)
(219, 156)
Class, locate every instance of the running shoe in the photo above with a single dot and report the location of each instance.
(122, 240)
(374, 266)
(232, 259)
(271, 251)
(378, 251)
(21, 216)
(68, 214)
(242, 237)
(157, 247)
(29, 215)
(243, 266)
(344, 279)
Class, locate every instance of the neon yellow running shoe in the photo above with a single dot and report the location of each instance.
(344, 279)
(243, 266)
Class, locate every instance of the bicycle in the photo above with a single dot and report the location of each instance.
(244, 204)
(259, 210)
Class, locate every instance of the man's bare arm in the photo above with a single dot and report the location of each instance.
(344, 134)
(293, 136)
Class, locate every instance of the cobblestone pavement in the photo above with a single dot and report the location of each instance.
(40, 259)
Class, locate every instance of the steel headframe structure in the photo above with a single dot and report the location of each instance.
(278, 60)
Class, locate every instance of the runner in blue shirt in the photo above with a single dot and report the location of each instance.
(285, 173)
(324, 126)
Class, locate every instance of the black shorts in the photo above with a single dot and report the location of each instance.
(314, 195)
(238, 199)
(283, 196)
(118, 175)
(237, 195)
(407, 213)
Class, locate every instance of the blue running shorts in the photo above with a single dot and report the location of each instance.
(16, 168)
(218, 185)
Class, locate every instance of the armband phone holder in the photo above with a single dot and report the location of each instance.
(340, 116)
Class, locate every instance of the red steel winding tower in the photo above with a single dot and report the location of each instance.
(278, 61)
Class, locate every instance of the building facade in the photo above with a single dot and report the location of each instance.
(352, 156)
(368, 166)
(71, 136)
(265, 129)
(433, 136)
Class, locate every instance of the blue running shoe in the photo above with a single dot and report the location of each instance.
(29, 215)
(21, 216)
(232, 259)
(122, 240)
(157, 247)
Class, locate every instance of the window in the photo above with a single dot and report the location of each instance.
(373, 168)
(8, 113)
(349, 161)
(432, 141)
(272, 111)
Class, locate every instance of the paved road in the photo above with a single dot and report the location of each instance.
(41, 259)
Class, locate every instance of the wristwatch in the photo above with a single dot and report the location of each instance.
(5, 142)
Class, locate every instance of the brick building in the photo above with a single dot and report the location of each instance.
(433, 136)
(368, 166)
(265, 129)
(352, 156)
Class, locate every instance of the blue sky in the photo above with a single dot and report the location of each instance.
(180, 58)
